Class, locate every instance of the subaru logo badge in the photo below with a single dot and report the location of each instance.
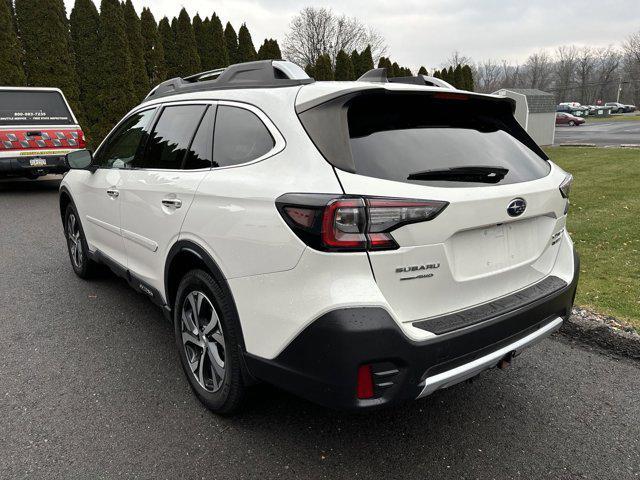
(516, 207)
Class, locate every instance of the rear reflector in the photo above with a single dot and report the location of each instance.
(364, 388)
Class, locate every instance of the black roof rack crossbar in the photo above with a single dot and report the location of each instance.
(259, 74)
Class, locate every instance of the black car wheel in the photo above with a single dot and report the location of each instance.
(207, 337)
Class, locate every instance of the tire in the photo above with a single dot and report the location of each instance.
(571, 123)
(77, 247)
(621, 110)
(209, 346)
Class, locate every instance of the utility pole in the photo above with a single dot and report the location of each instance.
(619, 90)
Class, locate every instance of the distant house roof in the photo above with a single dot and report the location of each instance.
(537, 100)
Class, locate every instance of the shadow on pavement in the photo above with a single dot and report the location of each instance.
(46, 184)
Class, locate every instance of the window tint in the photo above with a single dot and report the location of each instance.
(201, 151)
(123, 145)
(171, 137)
(240, 136)
(396, 137)
(32, 107)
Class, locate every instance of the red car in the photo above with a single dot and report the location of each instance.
(563, 118)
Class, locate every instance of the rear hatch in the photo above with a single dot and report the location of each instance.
(499, 232)
(37, 123)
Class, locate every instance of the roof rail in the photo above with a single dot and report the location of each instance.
(380, 75)
(260, 74)
(423, 80)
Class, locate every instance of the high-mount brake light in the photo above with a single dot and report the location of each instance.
(335, 224)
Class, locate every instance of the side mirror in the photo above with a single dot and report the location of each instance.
(80, 160)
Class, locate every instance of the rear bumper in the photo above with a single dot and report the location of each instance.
(20, 166)
(321, 363)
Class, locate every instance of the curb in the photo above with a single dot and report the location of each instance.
(604, 332)
(590, 145)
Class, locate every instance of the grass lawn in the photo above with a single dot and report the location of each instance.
(604, 222)
(614, 118)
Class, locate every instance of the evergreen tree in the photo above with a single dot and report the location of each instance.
(199, 35)
(117, 95)
(423, 71)
(203, 32)
(84, 23)
(231, 40)
(322, 68)
(44, 32)
(468, 78)
(269, 50)
(366, 60)
(450, 76)
(458, 78)
(344, 67)
(395, 68)
(188, 58)
(386, 63)
(12, 14)
(246, 51)
(220, 55)
(168, 41)
(436, 74)
(355, 62)
(11, 71)
(309, 70)
(152, 46)
(136, 49)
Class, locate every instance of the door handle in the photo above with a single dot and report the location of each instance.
(113, 193)
(172, 202)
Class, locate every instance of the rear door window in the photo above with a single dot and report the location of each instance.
(240, 137)
(201, 152)
(32, 107)
(171, 137)
(396, 137)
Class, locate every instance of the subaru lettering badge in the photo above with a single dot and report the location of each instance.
(516, 207)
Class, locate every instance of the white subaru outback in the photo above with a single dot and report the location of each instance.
(356, 243)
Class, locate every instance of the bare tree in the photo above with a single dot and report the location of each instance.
(585, 66)
(488, 76)
(607, 66)
(565, 69)
(456, 58)
(511, 75)
(631, 47)
(317, 31)
(538, 70)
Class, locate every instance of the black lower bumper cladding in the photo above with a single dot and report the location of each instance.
(321, 364)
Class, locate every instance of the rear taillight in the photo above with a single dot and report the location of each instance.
(565, 186)
(350, 223)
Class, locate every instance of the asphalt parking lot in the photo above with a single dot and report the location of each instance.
(91, 387)
(600, 133)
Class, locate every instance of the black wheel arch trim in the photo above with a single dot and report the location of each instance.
(188, 246)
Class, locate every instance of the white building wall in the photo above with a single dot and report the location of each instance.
(541, 127)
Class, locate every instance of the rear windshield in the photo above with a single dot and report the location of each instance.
(395, 137)
(32, 107)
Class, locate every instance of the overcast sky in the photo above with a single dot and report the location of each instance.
(426, 32)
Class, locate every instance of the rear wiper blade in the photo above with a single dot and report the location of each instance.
(480, 174)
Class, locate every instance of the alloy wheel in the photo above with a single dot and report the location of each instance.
(75, 241)
(203, 341)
